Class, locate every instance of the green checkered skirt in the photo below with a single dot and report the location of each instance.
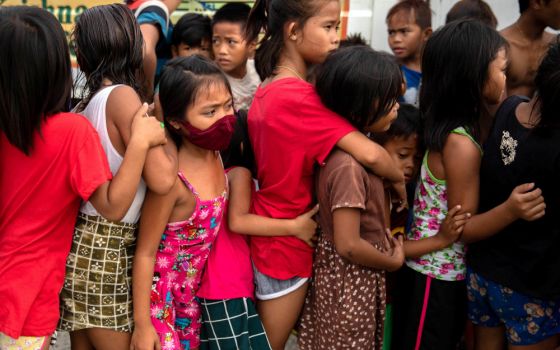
(231, 324)
(98, 283)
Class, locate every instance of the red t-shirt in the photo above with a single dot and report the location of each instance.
(39, 200)
(291, 131)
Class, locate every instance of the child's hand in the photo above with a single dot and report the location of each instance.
(305, 228)
(144, 338)
(396, 253)
(526, 202)
(452, 226)
(147, 129)
(399, 187)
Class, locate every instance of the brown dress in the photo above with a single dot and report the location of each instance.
(345, 305)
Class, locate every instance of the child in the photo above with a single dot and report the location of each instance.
(96, 301)
(341, 311)
(192, 35)
(476, 9)
(232, 52)
(409, 24)
(512, 280)
(50, 161)
(291, 131)
(432, 315)
(528, 42)
(178, 228)
(229, 318)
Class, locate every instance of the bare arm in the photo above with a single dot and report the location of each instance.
(150, 33)
(161, 164)
(240, 220)
(350, 245)
(113, 199)
(155, 215)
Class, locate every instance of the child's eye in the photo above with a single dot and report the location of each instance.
(232, 42)
(215, 41)
(209, 112)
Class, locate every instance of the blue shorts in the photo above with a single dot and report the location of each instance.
(528, 320)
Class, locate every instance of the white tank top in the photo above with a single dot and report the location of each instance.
(96, 113)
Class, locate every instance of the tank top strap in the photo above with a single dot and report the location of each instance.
(187, 183)
(462, 131)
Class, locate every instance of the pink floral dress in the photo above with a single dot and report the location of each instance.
(430, 209)
(180, 261)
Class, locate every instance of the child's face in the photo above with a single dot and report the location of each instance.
(211, 104)
(404, 151)
(551, 14)
(184, 50)
(406, 38)
(496, 82)
(384, 122)
(319, 35)
(231, 51)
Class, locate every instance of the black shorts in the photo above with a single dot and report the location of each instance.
(428, 314)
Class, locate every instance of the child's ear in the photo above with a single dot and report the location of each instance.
(291, 30)
(427, 33)
(175, 124)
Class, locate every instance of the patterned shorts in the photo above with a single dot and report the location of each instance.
(23, 343)
(231, 324)
(527, 320)
(98, 283)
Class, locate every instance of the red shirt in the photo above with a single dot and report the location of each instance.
(291, 132)
(39, 200)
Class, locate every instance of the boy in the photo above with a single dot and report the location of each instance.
(409, 26)
(192, 35)
(529, 42)
(232, 52)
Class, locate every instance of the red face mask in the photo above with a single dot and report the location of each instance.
(216, 138)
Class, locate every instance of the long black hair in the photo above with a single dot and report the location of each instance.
(270, 16)
(359, 83)
(547, 84)
(181, 81)
(454, 71)
(108, 45)
(35, 72)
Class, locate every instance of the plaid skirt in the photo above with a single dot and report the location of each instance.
(98, 283)
(231, 324)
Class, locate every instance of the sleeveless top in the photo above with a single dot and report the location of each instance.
(95, 111)
(430, 209)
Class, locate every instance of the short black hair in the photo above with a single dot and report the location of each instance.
(35, 72)
(420, 9)
(181, 81)
(476, 9)
(359, 83)
(235, 12)
(192, 29)
(353, 40)
(524, 5)
(408, 123)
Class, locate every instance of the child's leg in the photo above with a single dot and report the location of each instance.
(280, 315)
(79, 340)
(547, 344)
(24, 343)
(489, 338)
(106, 339)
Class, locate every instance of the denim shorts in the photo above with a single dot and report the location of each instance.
(528, 320)
(267, 288)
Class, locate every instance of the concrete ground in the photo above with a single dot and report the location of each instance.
(63, 342)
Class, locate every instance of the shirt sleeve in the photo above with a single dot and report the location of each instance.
(91, 168)
(347, 184)
(153, 12)
(324, 127)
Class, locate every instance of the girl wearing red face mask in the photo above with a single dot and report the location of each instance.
(178, 228)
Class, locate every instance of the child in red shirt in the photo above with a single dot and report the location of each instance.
(50, 161)
(291, 132)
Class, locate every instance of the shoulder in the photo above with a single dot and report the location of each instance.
(123, 101)
(461, 146)
(68, 123)
(341, 162)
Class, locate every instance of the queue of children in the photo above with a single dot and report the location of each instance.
(200, 230)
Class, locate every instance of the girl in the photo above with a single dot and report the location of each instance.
(50, 160)
(341, 312)
(431, 310)
(96, 301)
(513, 284)
(291, 131)
(197, 104)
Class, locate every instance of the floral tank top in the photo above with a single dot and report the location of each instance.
(430, 209)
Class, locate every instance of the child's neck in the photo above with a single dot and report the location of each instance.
(291, 66)
(412, 63)
(192, 151)
(239, 72)
(529, 27)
